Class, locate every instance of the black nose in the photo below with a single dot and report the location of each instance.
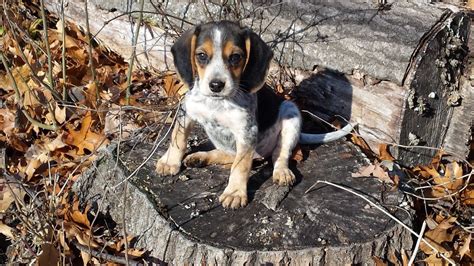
(216, 85)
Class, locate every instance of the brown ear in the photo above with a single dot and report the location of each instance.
(258, 57)
(183, 56)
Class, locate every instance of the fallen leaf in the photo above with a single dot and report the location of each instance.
(7, 121)
(451, 180)
(85, 138)
(297, 154)
(78, 216)
(373, 170)
(470, 4)
(60, 114)
(384, 153)
(6, 231)
(136, 253)
(173, 86)
(464, 249)
(49, 255)
(9, 193)
(467, 196)
(435, 162)
(435, 260)
(379, 261)
(357, 140)
(438, 236)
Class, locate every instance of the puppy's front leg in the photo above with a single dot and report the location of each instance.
(235, 194)
(170, 162)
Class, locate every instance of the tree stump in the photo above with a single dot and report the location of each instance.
(180, 220)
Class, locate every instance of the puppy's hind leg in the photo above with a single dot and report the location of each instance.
(290, 118)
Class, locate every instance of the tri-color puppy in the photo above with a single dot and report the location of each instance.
(225, 67)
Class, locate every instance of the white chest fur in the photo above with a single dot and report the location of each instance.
(225, 120)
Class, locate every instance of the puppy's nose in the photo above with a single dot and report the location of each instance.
(216, 85)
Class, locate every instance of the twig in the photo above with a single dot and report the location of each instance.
(105, 256)
(417, 246)
(319, 118)
(89, 47)
(46, 43)
(63, 50)
(380, 208)
(145, 12)
(134, 52)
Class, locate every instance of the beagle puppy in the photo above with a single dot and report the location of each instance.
(225, 67)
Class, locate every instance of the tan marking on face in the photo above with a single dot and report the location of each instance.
(206, 47)
(193, 59)
(247, 50)
(229, 49)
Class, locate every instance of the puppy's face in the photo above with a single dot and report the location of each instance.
(221, 58)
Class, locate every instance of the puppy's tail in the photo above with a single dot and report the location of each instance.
(306, 138)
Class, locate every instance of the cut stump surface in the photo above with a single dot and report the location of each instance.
(181, 221)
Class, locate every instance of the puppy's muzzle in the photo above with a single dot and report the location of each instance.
(216, 85)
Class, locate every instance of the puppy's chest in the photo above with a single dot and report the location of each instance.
(220, 113)
(222, 120)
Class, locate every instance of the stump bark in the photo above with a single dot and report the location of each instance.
(180, 220)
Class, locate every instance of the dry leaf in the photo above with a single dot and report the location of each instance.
(464, 249)
(173, 86)
(373, 170)
(470, 4)
(136, 253)
(435, 260)
(49, 255)
(9, 193)
(7, 121)
(362, 144)
(379, 262)
(85, 139)
(6, 231)
(467, 196)
(79, 217)
(435, 162)
(39, 153)
(384, 153)
(60, 114)
(297, 154)
(451, 180)
(439, 235)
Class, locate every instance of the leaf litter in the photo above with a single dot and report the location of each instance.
(50, 134)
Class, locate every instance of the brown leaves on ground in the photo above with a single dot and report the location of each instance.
(51, 130)
(445, 189)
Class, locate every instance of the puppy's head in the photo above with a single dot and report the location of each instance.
(220, 58)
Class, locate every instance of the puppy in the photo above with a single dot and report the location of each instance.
(225, 67)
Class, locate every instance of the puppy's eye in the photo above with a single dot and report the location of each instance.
(234, 59)
(202, 58)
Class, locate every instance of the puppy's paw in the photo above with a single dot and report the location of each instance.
(163, 168)
(234, 199)
(196, 160)
(283, 176)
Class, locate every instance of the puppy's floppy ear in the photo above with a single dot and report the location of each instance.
(183, 55)
(258, 57)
